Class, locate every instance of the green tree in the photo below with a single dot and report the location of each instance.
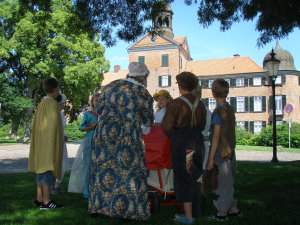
(40, 39)
(13, 105)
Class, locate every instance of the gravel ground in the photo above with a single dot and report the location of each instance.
(14, 158)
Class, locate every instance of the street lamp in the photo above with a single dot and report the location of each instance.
(273, 66)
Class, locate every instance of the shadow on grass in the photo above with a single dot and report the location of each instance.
(267, 194)
(19, 165)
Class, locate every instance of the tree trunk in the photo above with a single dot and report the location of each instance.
(14, 128)
(27, 130)
(29, 112)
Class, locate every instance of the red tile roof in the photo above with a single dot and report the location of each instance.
(233, 65)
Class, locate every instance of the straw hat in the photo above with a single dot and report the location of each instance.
(162, 93)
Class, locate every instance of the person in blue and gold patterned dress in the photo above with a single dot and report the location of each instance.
(118, 177)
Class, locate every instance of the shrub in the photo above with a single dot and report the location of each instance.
(265, 138)
(6, 128)
(73, 132)
(242, 136)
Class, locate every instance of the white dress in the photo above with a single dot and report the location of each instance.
(205, 133)
(159, 115)
(65, 162)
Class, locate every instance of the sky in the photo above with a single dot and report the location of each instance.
(211, 43)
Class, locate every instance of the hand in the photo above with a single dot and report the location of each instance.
(209, 164)
(206, 138)
(93, 125)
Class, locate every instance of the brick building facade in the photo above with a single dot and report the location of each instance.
(250, 94)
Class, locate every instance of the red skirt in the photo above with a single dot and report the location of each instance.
(158, 149)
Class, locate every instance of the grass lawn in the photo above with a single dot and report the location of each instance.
(264, 148)
(267, 193)
(7, 141)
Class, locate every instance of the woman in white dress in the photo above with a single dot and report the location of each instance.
(162, 98)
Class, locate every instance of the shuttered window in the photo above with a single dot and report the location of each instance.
(258, 104)
(204, 83)
(280, 102)
(240, 82)
(205, 100)
(240, 104)
(165, 60)
(141, 59)
(241, 124)
(228, 81)
(256, 81)
(212, 104)
(164, 81)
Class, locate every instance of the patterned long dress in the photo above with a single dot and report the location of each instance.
(118, 178)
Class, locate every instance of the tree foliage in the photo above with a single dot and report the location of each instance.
(13, 104)
(275, 18)
(40, 39)
(128, 19)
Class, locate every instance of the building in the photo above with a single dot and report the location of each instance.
(250, 91)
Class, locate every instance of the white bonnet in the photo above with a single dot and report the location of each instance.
(63, 99)
(137, 70)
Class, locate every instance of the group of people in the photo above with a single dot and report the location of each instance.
(114, 174)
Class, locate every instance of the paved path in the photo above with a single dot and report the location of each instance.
(14, 158)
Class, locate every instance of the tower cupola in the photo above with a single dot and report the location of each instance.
(163, 22)
(285, 57)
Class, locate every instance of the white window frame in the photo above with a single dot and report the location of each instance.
(228, 81)
(257, 103)
(210, 83)
(240, 82)
(257, 127)
(278, 100)
(257, 81)
(199, 82)
(241, 124)
(212, 104)
(240, 104)
(165, 81)
(278, 80)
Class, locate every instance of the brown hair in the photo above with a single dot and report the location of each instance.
(220, 88)
(187, 81)
(49, 84)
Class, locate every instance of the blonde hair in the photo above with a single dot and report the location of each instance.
(96, 95)
(220, 88)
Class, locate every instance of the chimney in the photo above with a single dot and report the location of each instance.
(117, 68)
(236, 56)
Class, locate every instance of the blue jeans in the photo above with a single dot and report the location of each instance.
(46, 178)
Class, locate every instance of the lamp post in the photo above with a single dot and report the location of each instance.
(273, 66)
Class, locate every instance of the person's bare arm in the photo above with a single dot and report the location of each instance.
(89, 127)
(214, 146)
